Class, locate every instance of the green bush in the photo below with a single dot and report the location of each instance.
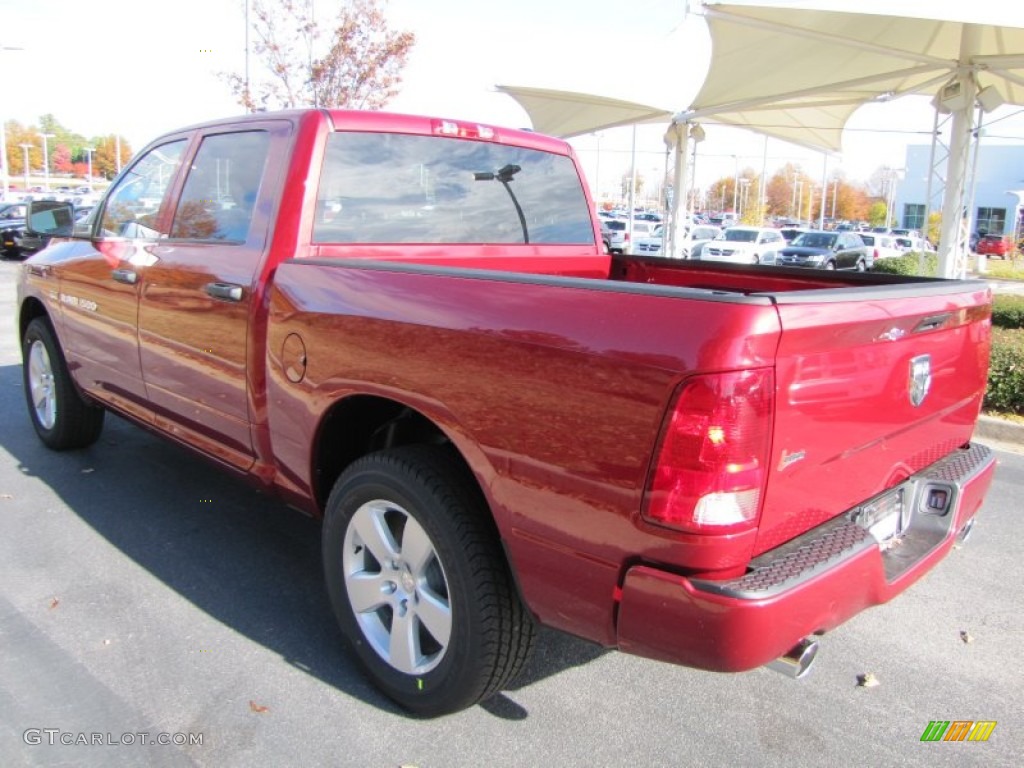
(1008, 311)
(1004, 270)
(1006, 371)
(909, 264)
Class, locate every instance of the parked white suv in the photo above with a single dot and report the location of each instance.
(745, 245)
(622, 239)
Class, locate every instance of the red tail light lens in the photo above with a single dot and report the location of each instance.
(712, 462)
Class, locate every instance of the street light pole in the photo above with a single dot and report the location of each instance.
(25, 148)
(46, 159)
(745, 183)
(88, 153)
(736, 185)
(5, 171)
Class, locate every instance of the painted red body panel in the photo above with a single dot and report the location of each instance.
(663, 616)
(551, 369)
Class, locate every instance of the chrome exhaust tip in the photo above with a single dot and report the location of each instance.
(796, 662)
(965, 532)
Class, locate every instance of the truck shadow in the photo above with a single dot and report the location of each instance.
(238, 555)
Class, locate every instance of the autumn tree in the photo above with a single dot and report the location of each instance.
(780, 192)
(851, 200)
(104, 159)
(355, 62)
(723, 191)
(877, 214)
(60, 160)
(18, 134)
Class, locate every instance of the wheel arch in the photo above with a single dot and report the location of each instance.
(31, 308)
(363, 423)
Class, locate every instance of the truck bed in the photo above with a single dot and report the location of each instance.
(743, 279)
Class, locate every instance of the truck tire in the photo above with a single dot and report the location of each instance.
(419, 583)
(62, 418)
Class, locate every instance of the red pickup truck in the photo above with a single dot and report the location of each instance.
(409, 327)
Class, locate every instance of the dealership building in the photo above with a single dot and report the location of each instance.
(998, 188)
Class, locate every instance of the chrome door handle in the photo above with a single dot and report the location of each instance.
(126, 276)
(227, 291)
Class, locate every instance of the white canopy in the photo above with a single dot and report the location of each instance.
(797, 70)
(567, 114)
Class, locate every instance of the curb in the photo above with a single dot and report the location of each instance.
(1001, 430)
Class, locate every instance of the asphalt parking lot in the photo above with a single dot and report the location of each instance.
(144, 592)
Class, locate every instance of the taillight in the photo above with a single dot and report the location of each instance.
(876, 253)
(712, 460)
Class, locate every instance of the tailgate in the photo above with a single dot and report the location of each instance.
(870, 390)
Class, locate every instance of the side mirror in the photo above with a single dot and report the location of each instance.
(50, 217)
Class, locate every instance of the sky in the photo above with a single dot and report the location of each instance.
(142, 69)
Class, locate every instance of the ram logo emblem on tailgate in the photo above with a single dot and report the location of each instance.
(920, 378)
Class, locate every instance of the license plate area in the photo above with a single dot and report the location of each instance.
(885, 517)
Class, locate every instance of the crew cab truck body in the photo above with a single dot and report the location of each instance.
(408, 326)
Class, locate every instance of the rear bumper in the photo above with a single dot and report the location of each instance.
(808, 585)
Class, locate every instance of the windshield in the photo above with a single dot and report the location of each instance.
(815, 240)
(704, 233)
(740, 235)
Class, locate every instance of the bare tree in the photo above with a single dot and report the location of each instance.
(356, 63)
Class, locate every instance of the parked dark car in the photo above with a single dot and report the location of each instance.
(18, 242)
(12, 211)
(826, 250)
(12, 221)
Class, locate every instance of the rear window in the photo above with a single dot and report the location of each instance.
(397, 188)
(815, 240)
(741, 235)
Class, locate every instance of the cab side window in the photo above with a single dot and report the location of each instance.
(133, 205)
(222, 187)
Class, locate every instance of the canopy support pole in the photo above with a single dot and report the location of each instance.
(678, 136)
(953, 234)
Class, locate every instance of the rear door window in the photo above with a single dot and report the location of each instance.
(223, 184)
(397, 188)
